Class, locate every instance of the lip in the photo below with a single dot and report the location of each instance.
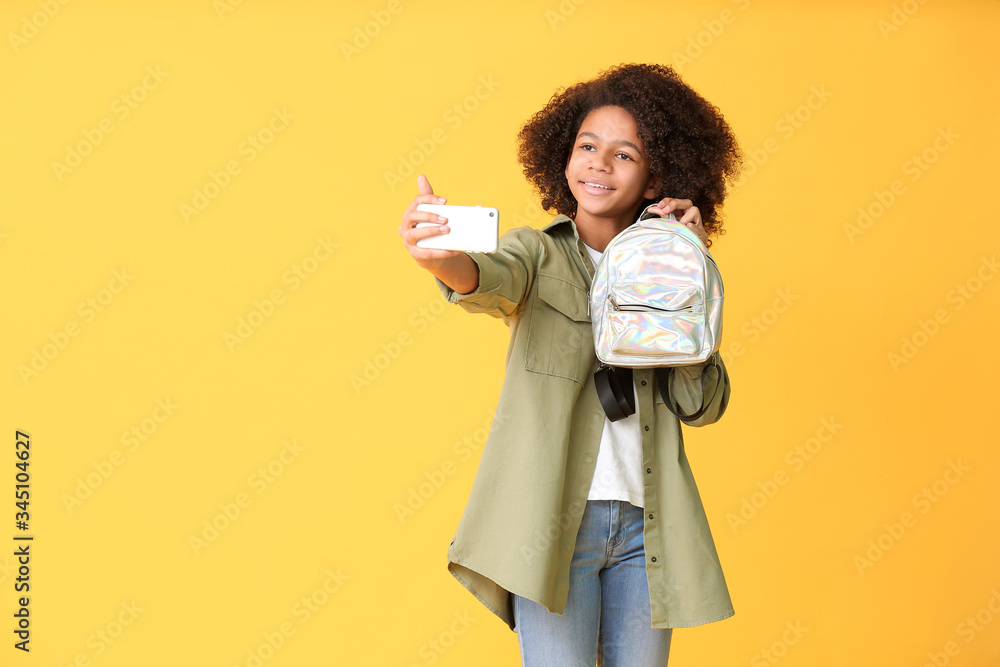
(591, 189)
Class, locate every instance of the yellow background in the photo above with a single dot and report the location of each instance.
(869, 86)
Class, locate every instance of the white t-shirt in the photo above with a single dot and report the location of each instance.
(619, 461)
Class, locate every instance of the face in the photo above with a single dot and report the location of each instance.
(608, 169)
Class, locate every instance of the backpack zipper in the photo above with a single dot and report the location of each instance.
(641, 307)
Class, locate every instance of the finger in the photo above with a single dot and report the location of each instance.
(692, 216)
(679, 204)
(411, 218)
(662, 212)
(429, 199)
(428, 253)
(670, 204)
(414, 234)
(424, 186)
(423, 199)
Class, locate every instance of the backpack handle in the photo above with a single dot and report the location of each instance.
(611, 382)
(619, 403)
(663, 383)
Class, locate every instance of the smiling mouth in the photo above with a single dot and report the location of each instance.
(597, 185)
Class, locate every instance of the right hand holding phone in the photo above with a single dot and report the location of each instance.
(454, 268)
(410, 233)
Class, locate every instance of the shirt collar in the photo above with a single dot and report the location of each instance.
(558, 226)
(558, 222)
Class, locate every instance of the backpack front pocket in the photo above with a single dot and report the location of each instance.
(653, 320)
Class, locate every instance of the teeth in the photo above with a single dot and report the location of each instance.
(597, 185)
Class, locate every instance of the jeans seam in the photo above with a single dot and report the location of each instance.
(620, 534)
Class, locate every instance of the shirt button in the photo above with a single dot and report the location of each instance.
(653, 559)
(647, 428)
(643, 383)
(650, 516)
(648, 470)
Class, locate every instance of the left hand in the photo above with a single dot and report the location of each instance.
(685, 212)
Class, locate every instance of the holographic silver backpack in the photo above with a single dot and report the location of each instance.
(655, 302)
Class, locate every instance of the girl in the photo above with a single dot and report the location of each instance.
(588, 537)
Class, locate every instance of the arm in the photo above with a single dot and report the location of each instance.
(482, 283)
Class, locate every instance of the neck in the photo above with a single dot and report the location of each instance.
(598, 232)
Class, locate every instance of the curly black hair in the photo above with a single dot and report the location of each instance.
(688, 142)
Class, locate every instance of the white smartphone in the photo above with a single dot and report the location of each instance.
(472, 228)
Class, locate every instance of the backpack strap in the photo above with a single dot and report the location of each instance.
(611, 383)
(663, 383)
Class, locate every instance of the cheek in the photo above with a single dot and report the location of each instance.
(568, 169)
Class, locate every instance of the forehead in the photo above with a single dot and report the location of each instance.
(612, 124)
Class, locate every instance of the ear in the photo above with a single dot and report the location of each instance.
(653, 187)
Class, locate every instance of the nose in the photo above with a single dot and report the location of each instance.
(599, 161)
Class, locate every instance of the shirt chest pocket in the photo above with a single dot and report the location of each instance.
(560, 337)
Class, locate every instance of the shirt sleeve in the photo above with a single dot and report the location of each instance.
(689, 392)
(504, 276)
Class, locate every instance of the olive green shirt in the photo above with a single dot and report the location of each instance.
(519, 528)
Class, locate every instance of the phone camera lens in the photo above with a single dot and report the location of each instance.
(491, 214)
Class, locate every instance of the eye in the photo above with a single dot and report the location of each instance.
(587, 147)
(625, 155)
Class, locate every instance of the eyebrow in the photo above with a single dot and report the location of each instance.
(619, 142)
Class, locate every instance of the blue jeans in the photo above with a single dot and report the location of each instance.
(607, 614)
